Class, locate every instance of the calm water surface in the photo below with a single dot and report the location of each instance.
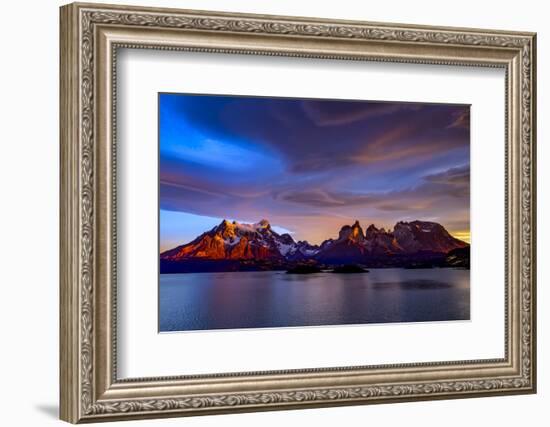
(198, 301)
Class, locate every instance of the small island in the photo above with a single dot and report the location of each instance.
(304, 269)
(349, 269)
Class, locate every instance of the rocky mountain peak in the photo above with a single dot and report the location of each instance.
(226, 229)
(258, 243)
(425, 236)
(264, 223)
(371, 231)
(352, 232)
(286, 239)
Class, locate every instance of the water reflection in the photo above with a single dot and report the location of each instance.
(411, 284)
(274, 299)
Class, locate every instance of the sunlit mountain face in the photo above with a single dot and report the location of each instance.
(310, 165)
(233, 246)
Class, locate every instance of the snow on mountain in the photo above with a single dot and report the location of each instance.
(234, 240)
(258, 242)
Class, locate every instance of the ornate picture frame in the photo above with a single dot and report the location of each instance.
(90, 37)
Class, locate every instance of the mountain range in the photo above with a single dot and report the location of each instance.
(233, 246)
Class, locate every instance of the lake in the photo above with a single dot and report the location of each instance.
(236, 300)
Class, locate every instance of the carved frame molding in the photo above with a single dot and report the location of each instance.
(90, 37)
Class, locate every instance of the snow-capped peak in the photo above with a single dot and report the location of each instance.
(244, 227)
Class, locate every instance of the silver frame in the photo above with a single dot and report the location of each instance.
(90, 37)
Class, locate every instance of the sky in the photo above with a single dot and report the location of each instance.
(310, 166)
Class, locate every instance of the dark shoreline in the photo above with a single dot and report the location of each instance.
(181, 269)
(458, 258)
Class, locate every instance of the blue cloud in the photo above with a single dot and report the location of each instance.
(309, 165)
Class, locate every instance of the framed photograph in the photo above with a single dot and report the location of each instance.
(264, 212)
(311, 166)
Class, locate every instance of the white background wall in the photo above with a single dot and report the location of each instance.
(29, 170)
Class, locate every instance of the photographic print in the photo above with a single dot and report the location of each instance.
(286, 212)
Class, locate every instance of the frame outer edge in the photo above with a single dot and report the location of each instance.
(305, 19)
(68, 226)
(77, 342)
(534, 270)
